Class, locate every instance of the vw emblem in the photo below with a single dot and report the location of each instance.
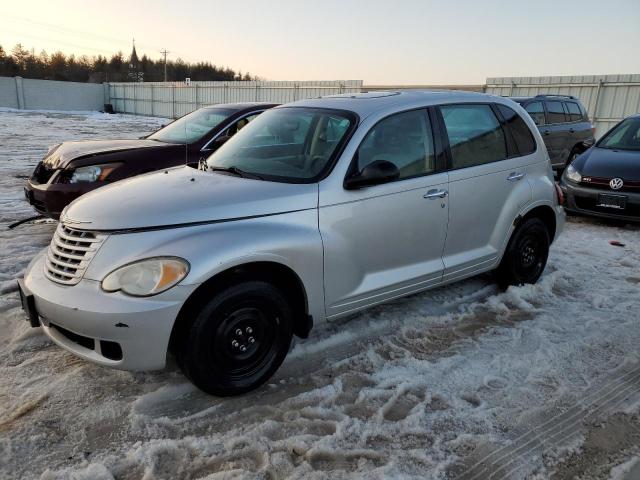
(616, 183)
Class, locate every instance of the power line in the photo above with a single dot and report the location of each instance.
(78, 33)
(59, 42)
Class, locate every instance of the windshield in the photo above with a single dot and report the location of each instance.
(625, 136)
(192, 127)
(286, 144)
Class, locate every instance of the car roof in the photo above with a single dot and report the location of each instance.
(549, 96)
(366, 103)
(242, 105)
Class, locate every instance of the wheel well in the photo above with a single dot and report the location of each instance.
(544, 213)
(577, 148)
(274, 273)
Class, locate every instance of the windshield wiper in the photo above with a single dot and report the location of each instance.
(237, 172)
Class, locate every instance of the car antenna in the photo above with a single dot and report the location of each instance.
(186, 148)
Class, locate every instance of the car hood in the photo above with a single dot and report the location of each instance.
(182, 196)
(607, 163)
(69, 151)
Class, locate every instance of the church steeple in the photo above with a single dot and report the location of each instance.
(134, 65)
(133, 61)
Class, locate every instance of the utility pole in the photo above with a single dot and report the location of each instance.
(165, 52)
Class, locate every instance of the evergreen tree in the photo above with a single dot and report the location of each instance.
(58, 66)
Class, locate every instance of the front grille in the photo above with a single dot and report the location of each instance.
(86, 342)
(602, 183)
(108, 349)
(69, 254)
(42, 174)
(38, 205)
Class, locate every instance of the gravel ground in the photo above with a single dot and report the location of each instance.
(460, 382)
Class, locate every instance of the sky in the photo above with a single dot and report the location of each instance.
(397, 42)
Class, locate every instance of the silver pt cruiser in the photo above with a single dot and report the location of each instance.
(315, 210)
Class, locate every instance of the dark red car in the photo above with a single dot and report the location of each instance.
(72, 169)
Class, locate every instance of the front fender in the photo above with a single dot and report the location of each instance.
(291, 239)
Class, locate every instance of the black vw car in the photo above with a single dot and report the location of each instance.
(72, 169)
(605, 180)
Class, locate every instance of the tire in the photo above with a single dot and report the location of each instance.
(526, 255)
(238, 339)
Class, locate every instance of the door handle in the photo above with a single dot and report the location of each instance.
(547, 132)
(514, 177)
(433, 194)
(571, 130)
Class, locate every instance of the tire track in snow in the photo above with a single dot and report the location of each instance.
(554, 431)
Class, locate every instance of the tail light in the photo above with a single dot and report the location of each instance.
(593, 130)
(559, 194)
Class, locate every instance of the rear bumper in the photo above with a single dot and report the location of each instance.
(90, 323)
(50, 199)
(583, 200)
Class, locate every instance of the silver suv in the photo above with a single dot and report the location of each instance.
(315, 210)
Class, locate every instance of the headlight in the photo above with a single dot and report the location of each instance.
(147, 277)
(572, 174)
(52, 148)
(93, 173)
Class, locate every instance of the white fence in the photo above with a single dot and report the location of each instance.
(174, 99)
(607, 98)
(32, 94)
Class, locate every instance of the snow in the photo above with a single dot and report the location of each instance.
(462, 381)
(621, 471)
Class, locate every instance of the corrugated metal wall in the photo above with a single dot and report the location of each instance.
(607, 98)
(36, 94)
(174, 99)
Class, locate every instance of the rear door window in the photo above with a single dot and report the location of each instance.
(536, 111)
(555, 112)
(575, 115)
(475, 135)
(523, 137)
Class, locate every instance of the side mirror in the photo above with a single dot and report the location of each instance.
(380, 171)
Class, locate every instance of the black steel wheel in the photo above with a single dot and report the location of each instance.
(526, 255)
(238, 339)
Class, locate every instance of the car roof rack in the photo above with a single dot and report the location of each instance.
(555, 95)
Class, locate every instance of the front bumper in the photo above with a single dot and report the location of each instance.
(88, 321)
(50, 198)
(561, 219)
(584, 200)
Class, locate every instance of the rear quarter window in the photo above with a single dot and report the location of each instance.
(525, 143)
(575, 114)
